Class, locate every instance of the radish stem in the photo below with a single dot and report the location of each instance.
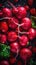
(11, 4)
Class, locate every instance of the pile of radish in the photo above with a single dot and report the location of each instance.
(17, 32)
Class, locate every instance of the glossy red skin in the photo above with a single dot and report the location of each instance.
(12, 36)
(12, 60)
(30, 2)
(4, 62)
(32, 11)
(27, 23)
(21, 12)
(1, 13)
(23, 40)
(4, 27)
(31, 34)
(34, 49)
(14, 47)
(25, 53)
(6, 12)
(3, 38)
(11, 23)
(26, 7)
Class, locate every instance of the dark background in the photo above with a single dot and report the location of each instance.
(20, 2)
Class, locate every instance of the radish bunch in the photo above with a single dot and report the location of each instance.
(16, 31)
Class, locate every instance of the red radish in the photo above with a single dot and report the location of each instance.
(4, 62)
(14, 47)
(25, 54)
(3, 38)
(6, 12)
(34, 49)
(12, 36)
(31, 33)
(26, 7)
(23, 40)
(15, 1)
(12, 60)
(21, 11)
(32, 11)
(30, 2)
(11, 23)
(27, 23)
(1, 13)
(4, 27)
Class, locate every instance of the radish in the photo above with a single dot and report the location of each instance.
(21, 12)
(32, 11)
(3, 38)
(14, 47)
(27, 23)
(31, 33)
(23, 40)
(25, 54)
(6, 12)
(4, 26)
(12, 36)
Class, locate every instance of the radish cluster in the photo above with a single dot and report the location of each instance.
(16, 32)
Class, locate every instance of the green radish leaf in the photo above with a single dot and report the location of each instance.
(33, 19)
(5, 51)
